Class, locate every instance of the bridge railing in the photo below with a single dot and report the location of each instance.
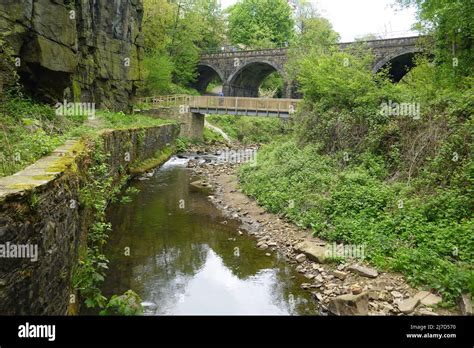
(237, 104)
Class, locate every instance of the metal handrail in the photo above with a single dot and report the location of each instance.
(269, 105)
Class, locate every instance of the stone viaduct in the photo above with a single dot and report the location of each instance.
(242, 72)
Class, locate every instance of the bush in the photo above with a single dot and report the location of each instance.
(127, 304)
(401, 186)
(428, 237)
(342, 99)
(248, 130)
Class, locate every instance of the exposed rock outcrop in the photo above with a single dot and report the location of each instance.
(83, 50)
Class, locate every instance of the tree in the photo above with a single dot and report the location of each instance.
(211, 24)
(174, 34)
(158, 74)
(199, 25)
(451, 23)
(157, 20)
(317, 34)
(304, 10)
(314, 37)
(257, 23)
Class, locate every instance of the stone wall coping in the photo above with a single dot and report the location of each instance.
(40, 173)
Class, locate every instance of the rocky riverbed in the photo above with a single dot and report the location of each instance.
(350, 287)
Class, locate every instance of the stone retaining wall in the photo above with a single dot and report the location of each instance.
(191, 123)
(39, 207)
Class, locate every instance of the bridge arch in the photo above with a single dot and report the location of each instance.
(207, 72)
(245, 81)
(400, 62)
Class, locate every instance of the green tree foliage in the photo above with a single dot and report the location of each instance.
(316, 32)
(158, 74)
(174, 34)
(314, 36)
(260, 23)
(342, 98)
(156, 24)
(209, 15)
(451, 22)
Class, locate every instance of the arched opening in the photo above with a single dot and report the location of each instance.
(246, 82)
(399, 65)
(273, 86)
(209, 81)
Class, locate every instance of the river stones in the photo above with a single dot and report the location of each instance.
(426, 312)
(465, 304)
(363, 271)
(339, 274)
(312, 250)
(350, 304)
(356, 289)
(407, 306)
(201, 185)
(300, 258)
(427, 298)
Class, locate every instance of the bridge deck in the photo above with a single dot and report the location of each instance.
(225, 105)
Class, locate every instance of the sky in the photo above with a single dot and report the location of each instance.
(356, 18)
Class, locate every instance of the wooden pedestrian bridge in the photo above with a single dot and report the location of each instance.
(273, 107)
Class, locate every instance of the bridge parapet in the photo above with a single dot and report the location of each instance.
(282, 51)
(248, 53)
(385, 43)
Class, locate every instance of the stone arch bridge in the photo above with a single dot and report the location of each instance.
(242, 72)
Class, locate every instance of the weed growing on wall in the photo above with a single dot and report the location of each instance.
(100, 190)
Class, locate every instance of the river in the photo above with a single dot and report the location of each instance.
(186, 258)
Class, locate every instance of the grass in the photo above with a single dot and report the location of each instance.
(213, 138)
(29, 130)
(250, 130)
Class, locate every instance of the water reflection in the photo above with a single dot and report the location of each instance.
(186, 260)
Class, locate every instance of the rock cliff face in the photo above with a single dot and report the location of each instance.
(78, 50)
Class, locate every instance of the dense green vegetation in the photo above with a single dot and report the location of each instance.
(399, 183)
(175, 32)
(30, 130)
(260, 23)
(250, 130)
(213, 138)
